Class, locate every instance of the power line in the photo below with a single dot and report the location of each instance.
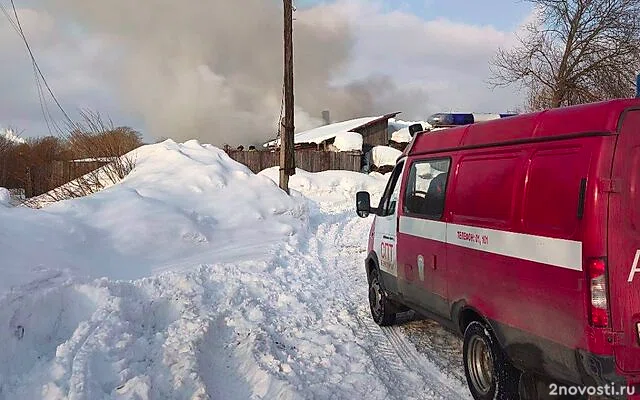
(38, 85)
(37, 71)
(35, 63)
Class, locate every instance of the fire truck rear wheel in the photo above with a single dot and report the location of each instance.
(490, 374)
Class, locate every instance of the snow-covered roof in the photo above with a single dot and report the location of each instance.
(322, 133)
(401, 135)
(348, 141)
(384, 155)
(12, 137)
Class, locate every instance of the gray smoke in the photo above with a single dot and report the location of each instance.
(212, 69)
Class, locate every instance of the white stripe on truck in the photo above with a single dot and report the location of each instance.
(424, 228)
(541, 249)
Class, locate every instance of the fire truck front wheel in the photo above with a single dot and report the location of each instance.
(382, 309)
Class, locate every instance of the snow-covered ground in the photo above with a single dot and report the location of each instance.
(194, 278)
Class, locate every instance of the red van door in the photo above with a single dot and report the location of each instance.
(624, 244)
(422, 235)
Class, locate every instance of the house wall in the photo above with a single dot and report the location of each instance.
(376, 134)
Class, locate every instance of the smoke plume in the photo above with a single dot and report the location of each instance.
(212, 69)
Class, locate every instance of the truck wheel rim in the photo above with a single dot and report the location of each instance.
(480, 365)
(375, 297)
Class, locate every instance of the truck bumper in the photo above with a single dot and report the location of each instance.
(600, 372)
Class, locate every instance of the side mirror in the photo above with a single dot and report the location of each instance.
(363, 204)
(415, 128)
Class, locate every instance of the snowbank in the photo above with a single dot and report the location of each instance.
(348, 141)
(180, 201)
(332, 189)
(5, 197)
(182, 206)
(384, 155)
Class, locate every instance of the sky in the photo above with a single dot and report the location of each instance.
(432, 56)
(502, 14)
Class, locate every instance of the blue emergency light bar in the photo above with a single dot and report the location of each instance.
(457, 119)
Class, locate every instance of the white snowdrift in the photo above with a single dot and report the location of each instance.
(348, 141)
(332, 189)
(384, 155)
(180, 200)
(182, 206)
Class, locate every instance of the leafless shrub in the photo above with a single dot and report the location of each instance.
(90, 143)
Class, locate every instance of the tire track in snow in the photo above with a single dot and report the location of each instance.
(400, 366)
(429, 370)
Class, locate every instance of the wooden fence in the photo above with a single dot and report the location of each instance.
(43, 178)
(308, 160)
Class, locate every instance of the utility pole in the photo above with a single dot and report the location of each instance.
(287, 153)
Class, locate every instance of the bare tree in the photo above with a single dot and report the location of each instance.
(575, 51)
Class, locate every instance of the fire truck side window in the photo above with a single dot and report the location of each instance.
(426, 188)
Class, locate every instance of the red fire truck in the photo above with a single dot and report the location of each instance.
(523, 235)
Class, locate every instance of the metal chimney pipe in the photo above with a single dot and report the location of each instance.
(326, 117)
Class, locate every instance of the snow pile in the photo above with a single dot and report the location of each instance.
(332, 189)
(348, 141)
(183, 205)
(5, 197)
(181, 201)
(384, 155)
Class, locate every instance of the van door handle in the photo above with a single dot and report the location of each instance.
(434, 262)
(387, 237)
